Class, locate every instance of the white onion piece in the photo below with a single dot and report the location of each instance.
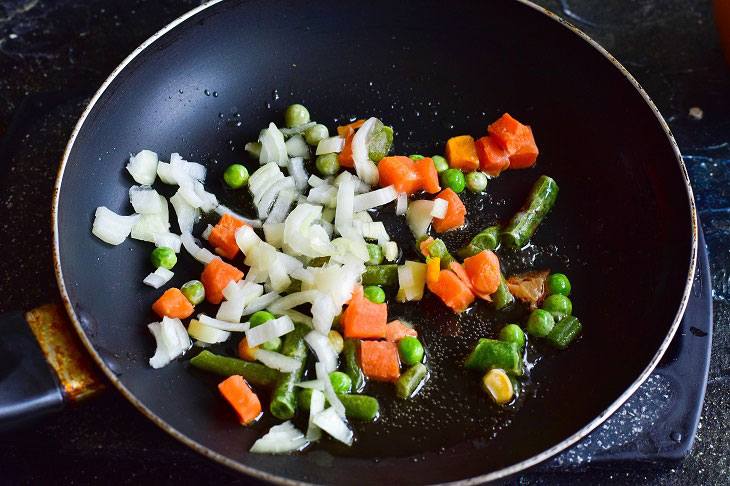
(313, 384)
(374, 198)
(148, 226)
(221, 210)
(401, 204)
(330, 145)
(329, 392)
(277, 361)
(269, 330)
(273, 148)
(143, 167)
(390, 250)
(316, 406)
(323, 349)
(324, 194)
(187, 215)
(296, 170)
(303, 275)
(405, 277)
(172, 341)
(294, 299)
(297, 240)
(260, 303)
(261, 175)
(192, 169)
(230, 311)
(345, 203)
(280, 440)
(360, 186)
(290, 263)
(418, 216)
(274, 233)
(323, 313)
(250, 291)
(375, 231)
(297, 129)
(265, 205)
(261, 257)
(296, 146)
(281, 207)
(332, 423)
(356, 244)
(328, 214)
(315, 181)
(280, 281)
(412, 279)
(203, 255)
(158, 278)
(166, 173)
(295, 316)
(145, 200)
(207, 231)
(207, 334)
(247, 239)
(168, 240)
(440, 206)
(223, 325)
(209, 201)
(366, 169)
(110, 227)
(232, 291)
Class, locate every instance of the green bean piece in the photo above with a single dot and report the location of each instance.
(295, 116)
(502, 297)
(318, 261)
(357, 407)
(490, 353)
(255, 373)
(441, 164)
(254, 149)
(235, 176)
(376, 254)
(558, 283)
(454, 180)
(410, 350)
(476, 181)
(540, 323)
(163, 257)
(380, 275)
(512, 333)
(260, 317)
(565, 332)
(416, 157)
(558, 305)
(317, 133)
(411, 381)
(193, 291)
(486, 239)
(380, 142)
(273, 344)
(524, 224)
(327, 164)
(374, 294)
(352, 364)
(437, 248)
(341, 382)
(283, 400)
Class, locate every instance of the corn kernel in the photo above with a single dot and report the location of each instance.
(337, 342)
(498, 385)
(246, 352)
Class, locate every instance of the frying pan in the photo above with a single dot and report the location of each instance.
(624, 227)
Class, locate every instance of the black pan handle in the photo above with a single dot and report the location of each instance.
(43, 366)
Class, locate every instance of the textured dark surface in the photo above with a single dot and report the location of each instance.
(60, 46)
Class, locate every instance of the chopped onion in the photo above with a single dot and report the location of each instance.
(207, 334)
(166, 173)
(412, 279)
(354, 243)
(297, 228)
(273, 148)
(247, 239)
(289, 262)
(260, 303)
(209, 201)
(323, 349)
(440, 206)
(296, 170)
(390, 250)
(275, 360)
(187, 215)
(221, 210)
(313, 384)
(323, 313)
(296, 146)
(303, 274)
(145, 200)
(375, 231)
(315, 181)
(332, 423)
(280, 439)
(158, 278)
(261, 257)
(203, 255)
(328, 214)
(230, 310)
(261, 175)
(298, 129)
(207, 231)
(168, 240)
(172, 341)
(150, 225)
(223, 325)
(281, 207)
(366, 169)
(274, 233)
(285, 184)
(401, 204)
(345, 203)
(374, 198)
(329, 391)
(192, 169)
(330, 145)
(295, 316)
(418, 216)
(110, 227)
(324, 194)
(143, 167)
(316, 405)
(280, 281)
(269, 330)
(293, 300)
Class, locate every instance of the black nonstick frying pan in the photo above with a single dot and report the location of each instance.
(624, 227)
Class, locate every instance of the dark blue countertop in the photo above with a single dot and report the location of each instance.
(53, 53)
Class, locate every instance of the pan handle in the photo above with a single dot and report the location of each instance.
(43, 366)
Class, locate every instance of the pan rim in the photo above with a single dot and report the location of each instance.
(491, 476)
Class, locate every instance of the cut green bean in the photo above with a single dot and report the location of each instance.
(380, 275)
(502, 297)
(437, 248)
(486, 239)
(352, 364)
(357, 407)
(254, 373)
(411, 381)
(524, 224)
(283, 399)
(490, 353)
(564, 332)
(376, 254)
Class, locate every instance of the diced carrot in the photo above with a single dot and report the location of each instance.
(343, 129)
(345, 157)
(460, 272)
(245, 351)
(216, 275)
(400, 172)
(243, 400)
(424, 246)
(396, 330)
(379, 360)
(173, 304)
(454, 213)
(364, 319)
(526, 156)
(433, 267)
(517, 139)
(223, 236)
(483, 271)
(462, 153)
(452, 291)
(428, 175)
(493, 159)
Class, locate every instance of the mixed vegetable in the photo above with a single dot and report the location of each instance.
(305, 286)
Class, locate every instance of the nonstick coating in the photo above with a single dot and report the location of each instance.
(623, 222)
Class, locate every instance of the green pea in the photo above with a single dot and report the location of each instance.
(441, 164)
(260, 317)
(512, 333)
(163, 257)
(416, 157)
(327, 164)
(410, 350)
(296, 115)
(374, 294)
(558, 305)
(557, 283)
(193, 291)
(235, 176)
(540, 323)
(316, 134)
(476, 181)
(340, 382)
(376, 254)
(453, 179)
(273, 344)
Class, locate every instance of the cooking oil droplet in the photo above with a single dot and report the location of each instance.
(275, 95)
(207, 92)
(220, 115)
(215, 94)
(180, 91)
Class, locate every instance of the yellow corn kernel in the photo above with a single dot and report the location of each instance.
(337, 342)
(498, 385)
(401, 295)
(246, 352)
(433, 268)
